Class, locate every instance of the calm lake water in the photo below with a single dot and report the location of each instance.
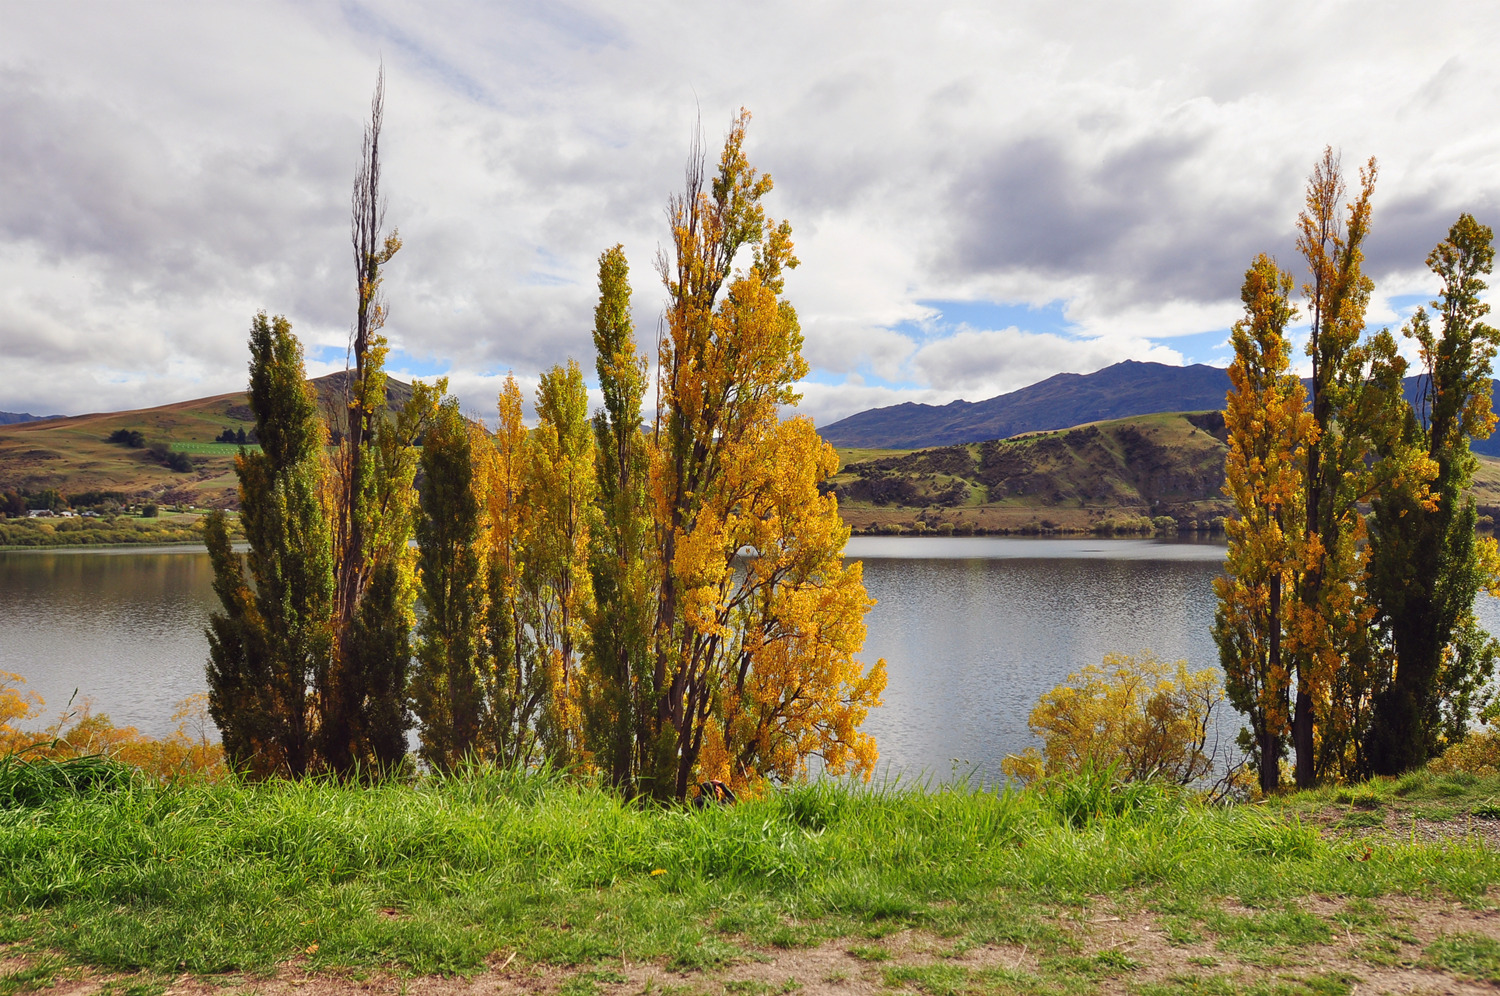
(972, 630)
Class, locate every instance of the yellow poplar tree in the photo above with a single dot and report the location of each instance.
(754, 666)
(1326, 626)
(515, 688)
(562, 487)
(1269, 432)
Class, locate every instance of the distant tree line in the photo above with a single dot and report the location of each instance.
(659, 602)
(17, 503)
(237, 436)
(161, 452)
(1346, 623)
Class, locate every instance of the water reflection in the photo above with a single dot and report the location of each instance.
(973, 630)
(122, 626)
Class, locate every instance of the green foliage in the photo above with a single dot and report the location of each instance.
(174, 460)
(104, 531)
(1427, 566)
(446, 688)
(620, 557)
(127, 437)
(32, 782)
(149, 510)
(273, 641)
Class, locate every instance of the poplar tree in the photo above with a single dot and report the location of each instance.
(1427, 565)
(447, 685)
(274, 636)
(515, 684)
(370, 497)
(561, 490)
(1269, 432)
(619, 560)
(757, 617)
(1327, 624)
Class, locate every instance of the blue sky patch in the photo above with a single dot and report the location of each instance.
(989, 316)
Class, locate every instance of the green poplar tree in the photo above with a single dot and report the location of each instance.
(447, 686)
(620, 555)
(1425, 566)
(273, 638)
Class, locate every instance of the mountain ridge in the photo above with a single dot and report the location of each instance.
(1124, 390)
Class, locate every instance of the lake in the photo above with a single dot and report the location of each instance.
(973, 630)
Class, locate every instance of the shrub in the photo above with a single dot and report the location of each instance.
(1478, 754)
(1140, 716)
(80, 734)
(149, 510)
(127, 437)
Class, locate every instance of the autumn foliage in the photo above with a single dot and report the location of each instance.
(1345, 622)
(662, 602)
(192, 749)
(1140, 715)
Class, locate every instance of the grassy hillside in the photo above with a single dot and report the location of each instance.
(1071, 480)
(73, 455)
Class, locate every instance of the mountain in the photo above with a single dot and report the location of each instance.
(72, 454)
(1147, 465)
(1121, 391)
(13, 418)
(1064, 400)
(1090, 478)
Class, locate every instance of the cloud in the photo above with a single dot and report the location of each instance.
(993, 362)
(171, 169)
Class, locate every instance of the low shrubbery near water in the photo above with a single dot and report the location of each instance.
(114, 530)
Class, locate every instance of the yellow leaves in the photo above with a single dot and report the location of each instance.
(14, 704)
(1487, 553)
(1148, 715)
(80, 731)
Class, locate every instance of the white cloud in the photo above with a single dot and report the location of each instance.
(172, 168)
(985, 363)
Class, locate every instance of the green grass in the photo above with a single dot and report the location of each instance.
(1394, 802)
(440, 875)
(1469, 955)
(215, 449)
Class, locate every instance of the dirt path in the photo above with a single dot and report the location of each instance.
(1315, 946)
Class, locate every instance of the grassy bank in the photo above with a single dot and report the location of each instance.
(121, 530)
(457, 875)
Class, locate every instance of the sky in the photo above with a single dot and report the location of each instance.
(982, 195)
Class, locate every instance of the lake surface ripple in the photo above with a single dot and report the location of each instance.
(973, 630)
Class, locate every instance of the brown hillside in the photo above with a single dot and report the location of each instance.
(73, 455)
(1149, 465)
